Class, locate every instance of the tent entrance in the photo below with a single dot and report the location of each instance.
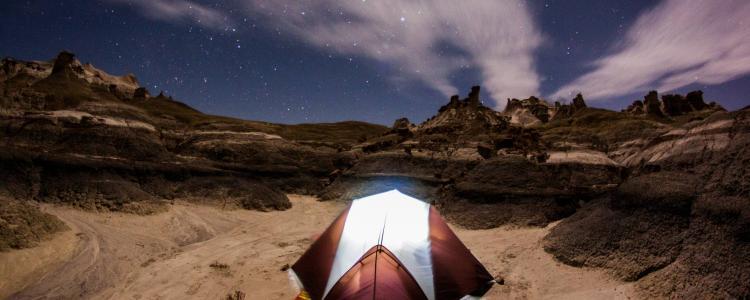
(377, 275)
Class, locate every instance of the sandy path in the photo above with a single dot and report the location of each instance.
(109, 246)
(254, 253)
(168, 256)
(19, 268)
(531, 273)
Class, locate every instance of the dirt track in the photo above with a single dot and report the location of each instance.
(169, 256)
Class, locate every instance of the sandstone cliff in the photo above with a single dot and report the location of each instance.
(74, 134)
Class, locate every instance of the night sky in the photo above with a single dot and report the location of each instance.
(375, 61)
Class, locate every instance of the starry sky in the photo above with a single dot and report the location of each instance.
(378, 60)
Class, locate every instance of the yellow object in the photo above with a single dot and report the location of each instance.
(303, 295)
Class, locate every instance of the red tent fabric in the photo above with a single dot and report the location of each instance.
(378, 275)
(390, 246)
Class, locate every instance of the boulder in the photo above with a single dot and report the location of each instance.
(141, 93)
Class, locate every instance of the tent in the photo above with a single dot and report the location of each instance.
(390, 246)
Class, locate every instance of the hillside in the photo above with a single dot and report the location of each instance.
(74, 134)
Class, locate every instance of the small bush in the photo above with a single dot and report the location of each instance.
(219, 266)
(237, 295)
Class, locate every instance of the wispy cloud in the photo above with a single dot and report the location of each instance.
(424, 40)
(677, 43)
(180, 11)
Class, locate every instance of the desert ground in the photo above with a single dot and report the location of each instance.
(205, 252)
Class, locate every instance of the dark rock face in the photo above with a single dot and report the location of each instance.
(629, 246)
(599, 236)
(665, 191)
(679, 226)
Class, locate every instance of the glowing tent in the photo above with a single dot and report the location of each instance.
(390, 246)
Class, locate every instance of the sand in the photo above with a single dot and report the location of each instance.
(169, 256)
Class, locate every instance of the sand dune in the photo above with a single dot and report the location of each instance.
(170, 256)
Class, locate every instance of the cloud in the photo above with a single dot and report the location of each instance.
(677, 43)
(425, 40)
(180, 11)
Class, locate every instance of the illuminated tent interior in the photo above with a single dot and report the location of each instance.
(389, 246)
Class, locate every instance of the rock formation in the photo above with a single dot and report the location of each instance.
(73, 136)
(403, 127)
(670, 105)
(29, 73)
(652, 105)
(480, 169)
(578, 103)
(530, 111)
(64, 63)
(695, 100)
(464, 116)
(563, 111)
(533, 111)
(678, 226)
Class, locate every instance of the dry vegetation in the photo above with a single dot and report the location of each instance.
(23, 225)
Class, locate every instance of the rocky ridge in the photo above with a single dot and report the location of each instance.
(474, 160)
(533, 111)
(670, 105)
(76, 135)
